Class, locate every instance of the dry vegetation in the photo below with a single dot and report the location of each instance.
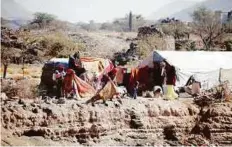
(21, 83)
(57, 44)
(148, 44)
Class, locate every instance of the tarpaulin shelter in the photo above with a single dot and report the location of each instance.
(99, 66)
(92, 64)
(210, 68)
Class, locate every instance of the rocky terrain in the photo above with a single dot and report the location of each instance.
(103, 43)
(143, 121)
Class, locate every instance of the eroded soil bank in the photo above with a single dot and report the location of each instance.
(135, 122)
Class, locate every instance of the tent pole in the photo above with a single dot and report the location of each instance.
(220, 70)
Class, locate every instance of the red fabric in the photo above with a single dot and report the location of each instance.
(133, 78)
(143, 75)
(114, 71)
(83, 88)
(171, 80)
(67, 85)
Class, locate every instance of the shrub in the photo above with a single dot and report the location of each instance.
(43, 19)
(228, 45)
(23, 88)
(147, 44)
(57, 44)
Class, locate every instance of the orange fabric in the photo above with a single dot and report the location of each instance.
(89, 59)
(133, 77)
(83, 88)
(108, 91)
(68, 79)
(119, 75)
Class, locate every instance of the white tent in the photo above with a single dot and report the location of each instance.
(209, 67)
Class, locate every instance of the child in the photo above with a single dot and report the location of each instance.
(58, 77)
(135, 89)
(158, 93)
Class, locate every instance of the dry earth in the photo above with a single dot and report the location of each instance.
(103, 43)
(144, 121)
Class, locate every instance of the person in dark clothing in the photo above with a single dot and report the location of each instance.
(58, 77)
(171, 82)
(171, 76)
(75, 64)
(135, 90)
(159, 74)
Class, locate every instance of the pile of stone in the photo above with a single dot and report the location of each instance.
(123, 57)
(148, 31)
(219, 93)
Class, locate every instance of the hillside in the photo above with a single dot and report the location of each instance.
(14, 14)
(14, 11)
(172, 8)
(223, 5)
(182, 9)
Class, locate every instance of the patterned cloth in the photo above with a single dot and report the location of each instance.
(72, 83)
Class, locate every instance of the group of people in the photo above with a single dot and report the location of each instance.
(164, 80)
(65, 79)
(60, 75)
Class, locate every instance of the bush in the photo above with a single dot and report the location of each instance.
(228, 45)
(59, 45)
(23, 88)
(147, 44)
(43, 19)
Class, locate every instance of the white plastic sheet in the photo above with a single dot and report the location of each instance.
(207, 79)
(226, 75)
(206, 65)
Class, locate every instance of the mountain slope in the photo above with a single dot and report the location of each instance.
(13, 11)
(170, 9)
(223, 5)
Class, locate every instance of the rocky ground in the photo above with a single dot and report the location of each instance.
(144, 121)
(103, 43)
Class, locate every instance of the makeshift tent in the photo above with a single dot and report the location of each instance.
(94, 65)
(210, 68)
(81, 87)
(91, 64)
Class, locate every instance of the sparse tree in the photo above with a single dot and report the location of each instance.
(43, 19)
(207, 24)
(176, 29)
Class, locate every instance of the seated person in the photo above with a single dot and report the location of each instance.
(193, 86)
(58, 77)
(76, 64)
(158, 93)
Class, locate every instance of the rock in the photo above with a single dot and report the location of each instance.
(74, 106)
(35, 110)
(3, 96)
(22, 102)
(33, 104)
(61, 101)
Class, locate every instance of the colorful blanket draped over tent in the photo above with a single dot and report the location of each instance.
(143, 76)
(120, 75)
(82, 88)
(97, 65)
(91, 64)
(108, 91)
